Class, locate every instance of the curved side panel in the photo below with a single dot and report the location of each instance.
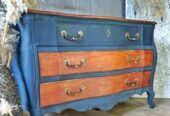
(151, 92)
(24, 68)
(28, 65)
(18, 76)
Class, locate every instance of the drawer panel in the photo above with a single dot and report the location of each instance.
(74, 34)
(70, 90)
(63, 63)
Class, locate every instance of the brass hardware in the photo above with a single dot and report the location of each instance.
(134, 83)
(76, 93)
(128, 36)
(137, 60)
(108, 33)
(82, 62)
(79, 37)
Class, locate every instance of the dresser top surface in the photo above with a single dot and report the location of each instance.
(88, 16)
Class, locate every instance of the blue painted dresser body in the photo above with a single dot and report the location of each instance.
(39, 33)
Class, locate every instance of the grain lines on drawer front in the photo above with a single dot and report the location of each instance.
(63, 63)
(70, 90)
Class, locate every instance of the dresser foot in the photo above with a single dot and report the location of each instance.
(150, 99)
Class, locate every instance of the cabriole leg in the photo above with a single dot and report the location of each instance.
(150, 99)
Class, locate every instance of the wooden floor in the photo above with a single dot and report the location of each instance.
(133, 107)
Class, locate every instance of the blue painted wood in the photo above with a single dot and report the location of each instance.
(91, 48)
(25, 64)
(151, 92)
(28, 65)
(93, 74)
(19, 79)
(92, 28)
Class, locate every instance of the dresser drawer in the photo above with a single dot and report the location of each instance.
(63, 63)
(70, 90)
(89, 34)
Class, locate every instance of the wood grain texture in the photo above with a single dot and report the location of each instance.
(54, 92)
(87, 16)
(52, 63)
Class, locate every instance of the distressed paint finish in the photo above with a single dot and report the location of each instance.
(25, 65)
(94, 87)
(159, 11)
(52, 64)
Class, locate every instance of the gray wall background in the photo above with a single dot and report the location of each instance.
(88, 7)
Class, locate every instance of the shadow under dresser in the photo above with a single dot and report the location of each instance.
(81, 62)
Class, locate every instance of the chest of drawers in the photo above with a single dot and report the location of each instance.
(65, 61)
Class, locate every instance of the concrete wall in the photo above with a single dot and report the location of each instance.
(159, 11)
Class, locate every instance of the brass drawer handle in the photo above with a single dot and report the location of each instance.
(128, 36)
(79, 36)
(134, 83)
(75, 93)
(137, 60)
(82, 62)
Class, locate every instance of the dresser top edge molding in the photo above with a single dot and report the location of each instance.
(88, 16)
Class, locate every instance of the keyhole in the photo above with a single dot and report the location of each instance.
(108, 33)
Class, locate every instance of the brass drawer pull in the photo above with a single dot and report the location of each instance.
(79, 36)
(137, 60)
(82, 62)
(75, 93)
(134, 83)
(128, 36)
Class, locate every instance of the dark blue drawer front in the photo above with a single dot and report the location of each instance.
(48, 33)
(148, 34)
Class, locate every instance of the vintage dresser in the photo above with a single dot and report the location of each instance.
(80, 62)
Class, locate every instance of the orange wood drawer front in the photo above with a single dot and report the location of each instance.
(52, 63)
(55, 92)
